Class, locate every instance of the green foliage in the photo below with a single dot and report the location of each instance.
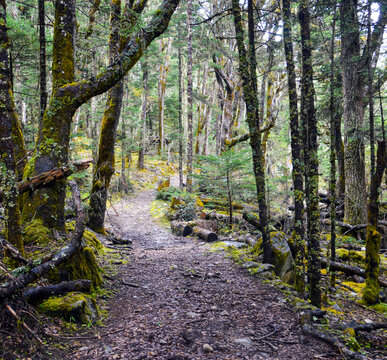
(168, 193)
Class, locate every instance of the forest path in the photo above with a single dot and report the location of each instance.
(190, 303)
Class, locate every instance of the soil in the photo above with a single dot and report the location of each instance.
(176, 299)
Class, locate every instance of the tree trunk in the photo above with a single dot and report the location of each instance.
(181, 130)
(190, 98)
(247, 70)
(165, 48)
(371, 290)
(42, 61)
(311, 158)
(355, 187)
(144, 109)
(297, 165)
(8, 177)
(52, 147)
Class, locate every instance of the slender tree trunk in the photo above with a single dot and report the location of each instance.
(181, 130)
(165, 49)
(332, 173)
(297, 164)
(311, 162)
(372, 288)
(247, 70)
(190, 98)
(8, 176)
(144, 108)
(42, 59)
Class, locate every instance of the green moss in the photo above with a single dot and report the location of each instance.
(351, 255)
(74, 307)
(82, 265)
(381, 307)
(36, 232)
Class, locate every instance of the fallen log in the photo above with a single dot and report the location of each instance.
(43, 179)
(40, 293)
(252, 219)
(349, 270)
(180, 228)
(65, 253)
(216, 203)
(352, 227)
(205, 234)
(220, 217)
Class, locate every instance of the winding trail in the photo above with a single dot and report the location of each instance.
(191, 303)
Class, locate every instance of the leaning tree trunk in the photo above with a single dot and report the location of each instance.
(47, 205)
(297, 166)
(311, 160)
(8, 177)
(247, 70)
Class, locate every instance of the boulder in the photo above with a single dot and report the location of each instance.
(282, 256)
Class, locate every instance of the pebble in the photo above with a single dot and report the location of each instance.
(337, 307)
(368, 321)
(224, 313)
(246, 342)
(208, 348)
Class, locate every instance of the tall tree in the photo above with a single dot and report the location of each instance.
(144, 112)
(190, 97)
(354, 78)
(8, 177)
(309, 122)
(247, 71)
(42, 59)
(297, 165)
(52, 149)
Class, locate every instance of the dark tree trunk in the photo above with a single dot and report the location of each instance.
(247, 70)
(144, 109)
(181, 130)
(297, 166)
(190, 98)
(42, 61)
(311, 160)
(371, 290)
(8, 177)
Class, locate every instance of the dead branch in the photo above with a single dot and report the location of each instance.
(330, 339)
(12, 251)
(367, 327)
(41, 293)
(21, 281)
(48, 177)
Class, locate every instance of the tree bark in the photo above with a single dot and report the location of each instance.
(144, 111)
(42, 61)
(247, 70)
(181, 129)
(204, 234)
(190, 98)
(311, 158)
(8, 177)
(297, 163)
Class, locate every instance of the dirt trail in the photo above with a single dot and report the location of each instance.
(191, 303)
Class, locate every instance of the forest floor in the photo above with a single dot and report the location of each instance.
(177, 299)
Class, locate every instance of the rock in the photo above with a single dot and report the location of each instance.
(250, 264)
(236, 244)
(246, 342)
(264, 268)
(208, 348)
(163, 184)
(192, 314)
(282, 255)
(337, 307)
(224, 313)
(368, 321)
(162, 342)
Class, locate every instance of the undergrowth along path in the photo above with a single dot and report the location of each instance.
(178, 300)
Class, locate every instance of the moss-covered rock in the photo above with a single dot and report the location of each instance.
(350, 255)
(282, 255)
(74, 307)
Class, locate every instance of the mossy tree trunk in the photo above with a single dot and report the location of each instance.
(42, 59)
(247, 71)
(297, 164)
(105, 166)
(311, 158)
(144, 111)
(181, 129)
(372, 288)
(52, 148)
(8, 176)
